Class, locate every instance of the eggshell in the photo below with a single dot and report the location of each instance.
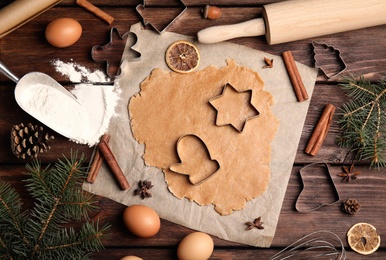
(141, 220)
(63, 32)
(195, 246)
(131, 257)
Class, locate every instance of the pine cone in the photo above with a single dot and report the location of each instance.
(29, 140)
(351, 206)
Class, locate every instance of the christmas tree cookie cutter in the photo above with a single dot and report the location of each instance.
(328, 59)
(111, 53)
(195, 160)
(315, 205)
(142, 10)
(223, 117)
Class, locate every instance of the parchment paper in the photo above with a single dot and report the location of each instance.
(128, 152)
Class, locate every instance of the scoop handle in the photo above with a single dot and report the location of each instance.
(254, 27)
(8, 73)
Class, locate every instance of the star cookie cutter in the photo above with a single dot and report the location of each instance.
(112, 52)
(141, 10)
(194, 158)
(335, 64)
(248, 118)
(314, 194)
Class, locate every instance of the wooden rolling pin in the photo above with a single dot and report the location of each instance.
(19, 12)
(302, 19)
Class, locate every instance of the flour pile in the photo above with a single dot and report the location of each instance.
(83, 124)
(99, 102)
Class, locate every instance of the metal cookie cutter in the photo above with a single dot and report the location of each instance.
(188, 148)
(315, 196)
(160, 28)
(244, 121)
(111, 53)
(329, 61)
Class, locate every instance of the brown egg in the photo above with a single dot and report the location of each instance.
(63, 32)
(131, 257)
(142, 221)
(195, 246)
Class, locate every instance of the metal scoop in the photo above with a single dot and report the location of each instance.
(49, 102)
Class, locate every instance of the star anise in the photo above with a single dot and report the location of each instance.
(268, 63)
(348, 174)
(143, 189)
(255, 224)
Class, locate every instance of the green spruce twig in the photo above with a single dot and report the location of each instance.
(39, 233)
(362, 120)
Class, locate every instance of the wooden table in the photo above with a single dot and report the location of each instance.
(364, 51)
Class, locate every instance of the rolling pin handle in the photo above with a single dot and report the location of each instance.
(254, 27)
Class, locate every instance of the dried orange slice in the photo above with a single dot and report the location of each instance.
(182, 57)
(363, 238)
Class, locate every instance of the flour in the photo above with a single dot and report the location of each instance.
(100, 102)
(79, 74)
(55, 109)
(85, 121)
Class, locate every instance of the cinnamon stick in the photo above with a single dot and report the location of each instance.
(95, 10)
(97, 162)
(296, 80)
(113, 164)
(321, 130)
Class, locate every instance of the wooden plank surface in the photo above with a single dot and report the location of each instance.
(26, 50)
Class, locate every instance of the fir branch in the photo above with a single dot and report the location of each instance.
(357, 89)
(362, 122)
(59, 198)
(90, 237)
(72, 245)
(350, 113)
(5, 253)
(78, 205)
(10, 205)
(38, 187)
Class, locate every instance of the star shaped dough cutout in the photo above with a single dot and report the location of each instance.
(234, 108)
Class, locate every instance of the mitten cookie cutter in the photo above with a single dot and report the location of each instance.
(330, 180)
(141, 10)
(338, 60)
(180, 169)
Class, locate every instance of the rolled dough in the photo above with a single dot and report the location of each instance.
(171, 105)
